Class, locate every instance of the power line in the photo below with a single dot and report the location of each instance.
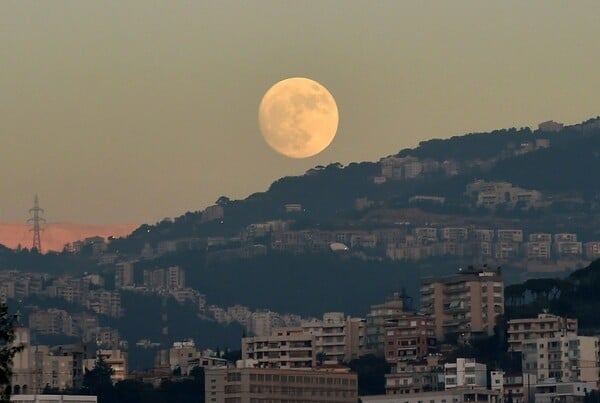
(36, 220)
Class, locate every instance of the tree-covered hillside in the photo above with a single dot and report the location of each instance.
(575, 296)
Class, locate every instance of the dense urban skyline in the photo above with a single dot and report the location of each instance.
(120, 112)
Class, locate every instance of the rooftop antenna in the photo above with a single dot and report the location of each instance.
(35, 222)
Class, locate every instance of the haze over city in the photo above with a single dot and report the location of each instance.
(127, 112)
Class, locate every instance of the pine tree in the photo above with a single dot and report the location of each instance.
(8, 349)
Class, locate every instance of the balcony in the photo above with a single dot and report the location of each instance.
(456, 289)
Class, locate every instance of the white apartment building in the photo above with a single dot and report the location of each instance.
(492, 194)
(565, 237)
(540, 237)
(545, 325)
(506, 250)
(510, 235)
(565, 357)
(285, 348)
(592, 250)
(329, 333)
(568, 249)
(455, 234)
(539, 250)
(465, 372)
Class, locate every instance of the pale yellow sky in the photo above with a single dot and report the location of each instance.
(132, 111)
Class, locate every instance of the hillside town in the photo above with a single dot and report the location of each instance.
(310, 357)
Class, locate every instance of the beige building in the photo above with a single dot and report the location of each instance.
(53, 399)
(539, 250)
(51, 322)
(513, 385)
(494, 194)
(250, 385)
(185, 356)
(540, 237)
(465, 372)
(336, 337)
(455, 395)
(565, 357)
(543, 327)
(455, 234)
(51, 370)
(568, 249)
(379, 318)
(284, 348)
(410, 377)
(510, 235)
(124, 275)
(592, 250)
(465, 303)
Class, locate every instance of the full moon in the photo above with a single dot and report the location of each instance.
(298, 117)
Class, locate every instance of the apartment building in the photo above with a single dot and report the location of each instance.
(410, 377)
(276, 385)
(355, 338)
(465, 303)
(544, 326)
(565, 357)
(155, 279)
(51, 322)
(105, 303)
(426, 234)
(51, 370)
(411, 337)
(514, 386)
(24, 398)
(336, 337)
(507, 250)
(540, 237)
(592, 250)
(175, 278)
(493, 194)
(483, 235)
(539, 250)
(568, 249)
(480, 395)
(552, 391)
(283, 348)
(565, 237)
(379, 318)
(124, 275)
(510, 235)
(455, 234)
(465, 372)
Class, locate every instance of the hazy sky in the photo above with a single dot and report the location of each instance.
(132, 111)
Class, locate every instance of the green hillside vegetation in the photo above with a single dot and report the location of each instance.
(327, 193)
(575, 296)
